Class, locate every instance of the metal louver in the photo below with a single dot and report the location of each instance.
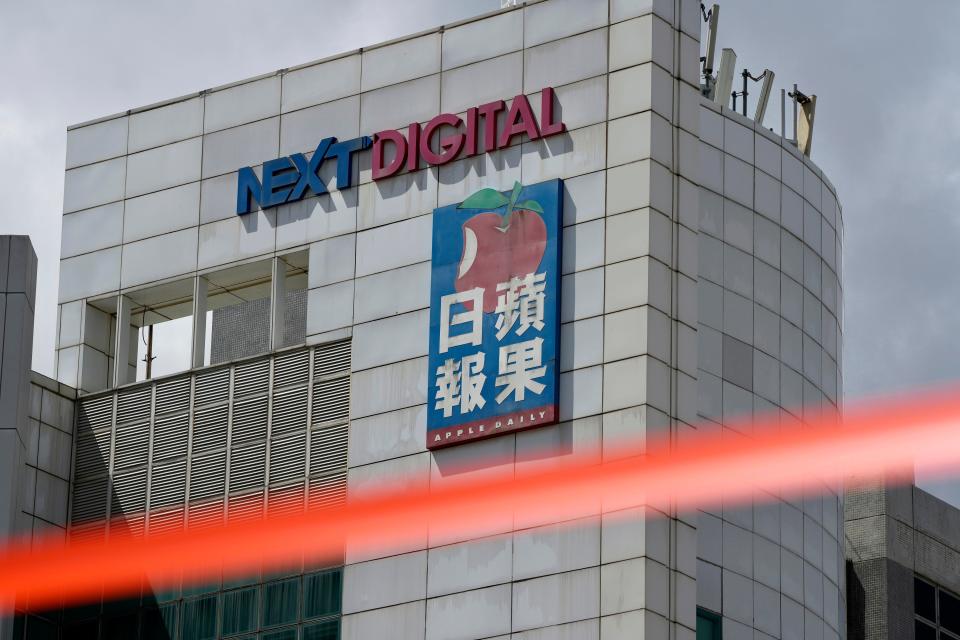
(168, 520)
(96, 413)
(291, 369)
(173, 396)
(251, 378)
(168, 485)
(211, 386)
(170, 437)
(328, 449)
(90, 501)
(207, 513)
(249, 420)
(133, 405)
(288, 458)
(210, 429)
(132, 446)
(208, 476)
(331, 358)
(165, 444)
(93, 452)
(331, 400)
(129, 495)
(328, 491)
(248, 467)
(289, 410)
(284, 500)
(245, 507)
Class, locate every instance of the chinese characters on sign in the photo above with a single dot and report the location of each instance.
(494, 314)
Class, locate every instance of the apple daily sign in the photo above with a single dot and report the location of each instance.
(441, 140)
(495, 314)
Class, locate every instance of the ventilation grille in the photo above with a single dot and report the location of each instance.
(133, 405)
(331, 358)
(285, 500)
(331, 400)
(246, 507)
(168, 485)
(291, 369)
(173, 396)
(290, 411)
(328, 449)
(210, 429)
(95, 414)
(168, 442)
(90, 501)
(208, 476)
(249, 420)
(248, 467)
(329, 491)
(288, 458)
(93, 452)
(129, 494)
(251, 379)
(170, 437)
(169, 520)
(132, 447)
(212, 386)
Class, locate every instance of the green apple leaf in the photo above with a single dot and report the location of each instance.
(485, 199)
(530, 205)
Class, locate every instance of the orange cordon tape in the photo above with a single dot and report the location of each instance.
(886, 437)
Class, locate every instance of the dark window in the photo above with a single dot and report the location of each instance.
(321, 594)
(200, 619)
(708, 625)
(280, 634)
(120, 627)
(239, 611)
(40, 629)
(924, 631)
(280, 602)
(81, 630)
(160, 623)
(925, 599)
(949, 612)
(329, 630)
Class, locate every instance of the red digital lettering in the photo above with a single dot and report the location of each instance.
(413, 147)
(470, 147)
(519, 120)
(489, 113)
(379, 143)
(449, 145)
(548, 126)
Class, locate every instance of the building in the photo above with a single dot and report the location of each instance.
(698, 280)
(904, 563)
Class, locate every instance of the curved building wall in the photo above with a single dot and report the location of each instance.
(770, 311)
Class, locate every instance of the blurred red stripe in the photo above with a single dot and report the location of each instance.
(880, 438)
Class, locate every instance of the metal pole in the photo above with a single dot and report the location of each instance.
(794, 113)
(149, 357)
(746, 74)
(783, 113)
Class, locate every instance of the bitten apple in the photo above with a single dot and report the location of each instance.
(497, 247)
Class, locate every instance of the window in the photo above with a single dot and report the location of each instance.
(708, 625)
(936, 610)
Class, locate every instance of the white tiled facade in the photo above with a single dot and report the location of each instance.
(696, 246)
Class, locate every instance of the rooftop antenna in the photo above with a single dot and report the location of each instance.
(711, 17)
(721, 93)
(761, 109)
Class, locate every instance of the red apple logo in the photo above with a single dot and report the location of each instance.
(497, 247)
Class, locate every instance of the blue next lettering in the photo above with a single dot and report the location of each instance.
(290, 178)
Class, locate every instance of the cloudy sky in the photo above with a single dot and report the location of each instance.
(886, 132)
